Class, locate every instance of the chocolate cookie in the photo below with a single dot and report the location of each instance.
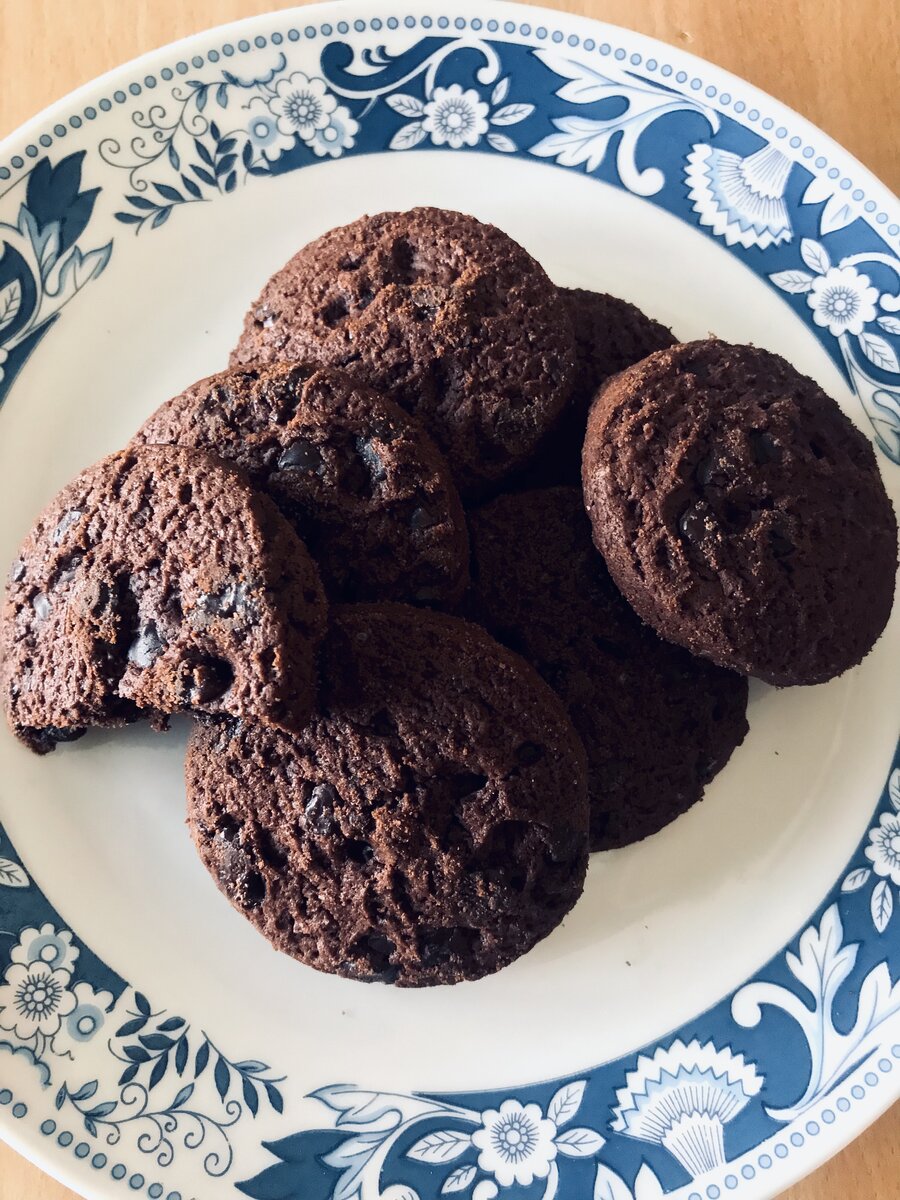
(740, 511)
(448, 316)
(610, 335)
(157, 582)
(429, 826)
(657, 724)
(361, 482)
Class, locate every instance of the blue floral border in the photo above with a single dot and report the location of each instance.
(200, 130)
(625, 118)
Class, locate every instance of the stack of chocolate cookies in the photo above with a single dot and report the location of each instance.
(461, 576)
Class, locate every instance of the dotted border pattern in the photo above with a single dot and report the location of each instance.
(779, 1147)
(99, 1161)
(748, 115)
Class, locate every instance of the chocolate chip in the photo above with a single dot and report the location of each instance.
(370, 457)
(236, 869)
(423, 518)
(229, 727)
(424, 311)
(66, 522)
(438, 945)
(68, 569)
(763, 447)
(233, 599)
(41, 605)
(712, 470)
(319, 811)
(401, 268)
(384, 432)
(693, 523)
(710, 767)
(375, 949)
(301, 455)
(378, 944)
(736, 517)
(355, 479)
(42, 741)
(147, 646)
(16, 571)
(503, 844)
(227, 828)
(564, 846)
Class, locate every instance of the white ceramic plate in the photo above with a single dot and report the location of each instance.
(721, 1011)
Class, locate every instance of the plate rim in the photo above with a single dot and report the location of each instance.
(23, 131)
(850, 1128)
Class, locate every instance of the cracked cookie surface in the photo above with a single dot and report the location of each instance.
(429, 825)
(442, 313)
(361, 482)
(158, 582)
(740, 512)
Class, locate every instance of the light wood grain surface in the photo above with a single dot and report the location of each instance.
(833, 61)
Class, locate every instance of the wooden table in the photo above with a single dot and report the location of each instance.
(841, 73)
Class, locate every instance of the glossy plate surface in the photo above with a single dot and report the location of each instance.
(722, 1009)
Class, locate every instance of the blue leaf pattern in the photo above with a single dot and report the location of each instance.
(818, 982)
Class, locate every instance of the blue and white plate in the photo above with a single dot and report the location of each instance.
(722, 1010)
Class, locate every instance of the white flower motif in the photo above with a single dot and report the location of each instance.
(262, 128)
(884, 853)
(34, 999)
(843, 300)
(337, 136)
(682, 1097)
(46, 945)
(454, 117)
(3, 357)
(84, 1021)
(516, 1143)
(741, 199)
(302, 105)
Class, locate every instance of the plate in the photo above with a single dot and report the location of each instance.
(722, 1010)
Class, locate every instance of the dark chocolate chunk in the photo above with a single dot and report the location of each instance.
(464, 330)
(346, 467)
(426, 852)
(90, 627)
(787, 507)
